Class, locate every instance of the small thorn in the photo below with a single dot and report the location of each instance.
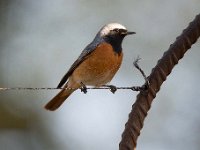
(147, 83)
(135, 88)
(135, 63)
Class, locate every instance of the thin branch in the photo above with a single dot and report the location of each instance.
(84, 88)
(133, 88)
(158, 75)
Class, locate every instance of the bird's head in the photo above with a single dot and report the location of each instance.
(113, 30)
(114, 34)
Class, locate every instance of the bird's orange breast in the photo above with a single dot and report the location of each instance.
(99, 67)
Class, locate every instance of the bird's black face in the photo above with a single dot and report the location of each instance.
(119, 33)
(115, 38)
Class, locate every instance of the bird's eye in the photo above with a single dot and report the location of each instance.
(116, 30)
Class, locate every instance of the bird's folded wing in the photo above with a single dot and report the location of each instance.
(85, 53)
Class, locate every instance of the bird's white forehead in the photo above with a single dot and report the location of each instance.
(107, 28)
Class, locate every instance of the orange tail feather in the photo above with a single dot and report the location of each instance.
(57, 101)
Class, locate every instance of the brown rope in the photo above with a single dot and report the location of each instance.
(158, 75)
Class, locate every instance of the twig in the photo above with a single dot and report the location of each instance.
(135, 63)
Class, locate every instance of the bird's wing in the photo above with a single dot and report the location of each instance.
(85, 53)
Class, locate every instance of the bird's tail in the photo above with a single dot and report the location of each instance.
(57, 101)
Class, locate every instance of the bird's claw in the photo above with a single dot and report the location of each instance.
(83, 88)
(112, 88)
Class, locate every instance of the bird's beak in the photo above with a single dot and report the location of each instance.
(130, 32)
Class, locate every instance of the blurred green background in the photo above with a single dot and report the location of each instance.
(39, 40)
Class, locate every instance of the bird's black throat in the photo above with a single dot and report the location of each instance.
(116, 42)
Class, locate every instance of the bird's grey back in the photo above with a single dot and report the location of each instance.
(85, 53)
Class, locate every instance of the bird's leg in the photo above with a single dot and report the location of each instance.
(146, 85)
(83, 88)
(113, 88)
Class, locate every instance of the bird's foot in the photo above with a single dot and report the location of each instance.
(83, 88)
(113, 88)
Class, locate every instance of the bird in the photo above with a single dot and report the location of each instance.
(96, 65)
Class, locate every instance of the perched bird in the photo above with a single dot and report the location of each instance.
(96, 65)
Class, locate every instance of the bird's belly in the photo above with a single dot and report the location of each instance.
(99, 68)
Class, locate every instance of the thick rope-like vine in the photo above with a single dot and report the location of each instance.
(158, 75)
